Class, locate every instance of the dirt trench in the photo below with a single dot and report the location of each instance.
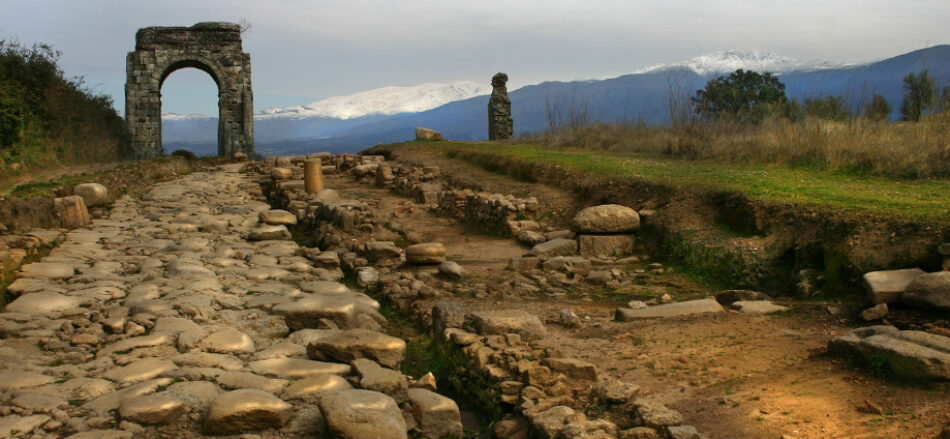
(730, 375)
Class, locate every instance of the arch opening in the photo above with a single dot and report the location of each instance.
(190, 110)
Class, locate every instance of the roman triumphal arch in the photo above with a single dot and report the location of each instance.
(212, 47)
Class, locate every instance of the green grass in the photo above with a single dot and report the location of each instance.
(921, 199)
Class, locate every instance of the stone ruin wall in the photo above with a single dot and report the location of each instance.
(503, 370)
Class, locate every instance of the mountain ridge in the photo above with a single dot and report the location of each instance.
(635, 96)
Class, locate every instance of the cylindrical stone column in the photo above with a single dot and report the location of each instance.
(313, 176)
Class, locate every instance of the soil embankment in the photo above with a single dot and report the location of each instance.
(721, 236)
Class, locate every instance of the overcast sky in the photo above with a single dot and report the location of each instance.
(302, 51)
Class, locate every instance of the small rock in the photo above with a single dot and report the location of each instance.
(569, 319)
(875, 312)
(451, 270)
(427, 134)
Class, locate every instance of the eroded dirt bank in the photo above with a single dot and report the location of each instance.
(723, 237)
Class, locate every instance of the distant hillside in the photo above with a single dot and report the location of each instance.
(46, 117)
(637, 96)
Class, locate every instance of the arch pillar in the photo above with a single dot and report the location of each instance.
(212, 47)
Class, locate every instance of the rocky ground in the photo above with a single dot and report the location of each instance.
(191, 311)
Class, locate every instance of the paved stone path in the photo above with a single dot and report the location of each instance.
(165, 321)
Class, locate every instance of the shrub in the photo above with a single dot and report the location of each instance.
(46, 117)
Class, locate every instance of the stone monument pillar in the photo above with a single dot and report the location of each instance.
(500, 125)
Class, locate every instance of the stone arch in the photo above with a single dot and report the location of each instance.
(212, 47)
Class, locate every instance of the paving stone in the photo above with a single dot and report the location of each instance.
(296, 368)
(228, 341)
(314, 388)
(151, 409)
(351, 344)
(246, 410)
(101, 434)
(21, 380)
(377, 378)
(245, 380)
(436, 415)
(17, 426)
(44, 303)
(344, 311)
(49, 270)
(363, 414)
(139, 370)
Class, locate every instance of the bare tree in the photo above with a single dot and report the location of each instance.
(678, 100)
(245, 25)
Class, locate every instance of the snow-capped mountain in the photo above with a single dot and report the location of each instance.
(727, 61)
(382, 101)
(177, 117)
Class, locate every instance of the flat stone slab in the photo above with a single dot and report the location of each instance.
(555, 247)
(757, 307)
(929, 291)
(527, 325)
(689, 307)
(888, 286)
(912, 355)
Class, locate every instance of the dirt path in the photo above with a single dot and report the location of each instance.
(730, 375)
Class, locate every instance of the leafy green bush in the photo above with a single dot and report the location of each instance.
(46, 117)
